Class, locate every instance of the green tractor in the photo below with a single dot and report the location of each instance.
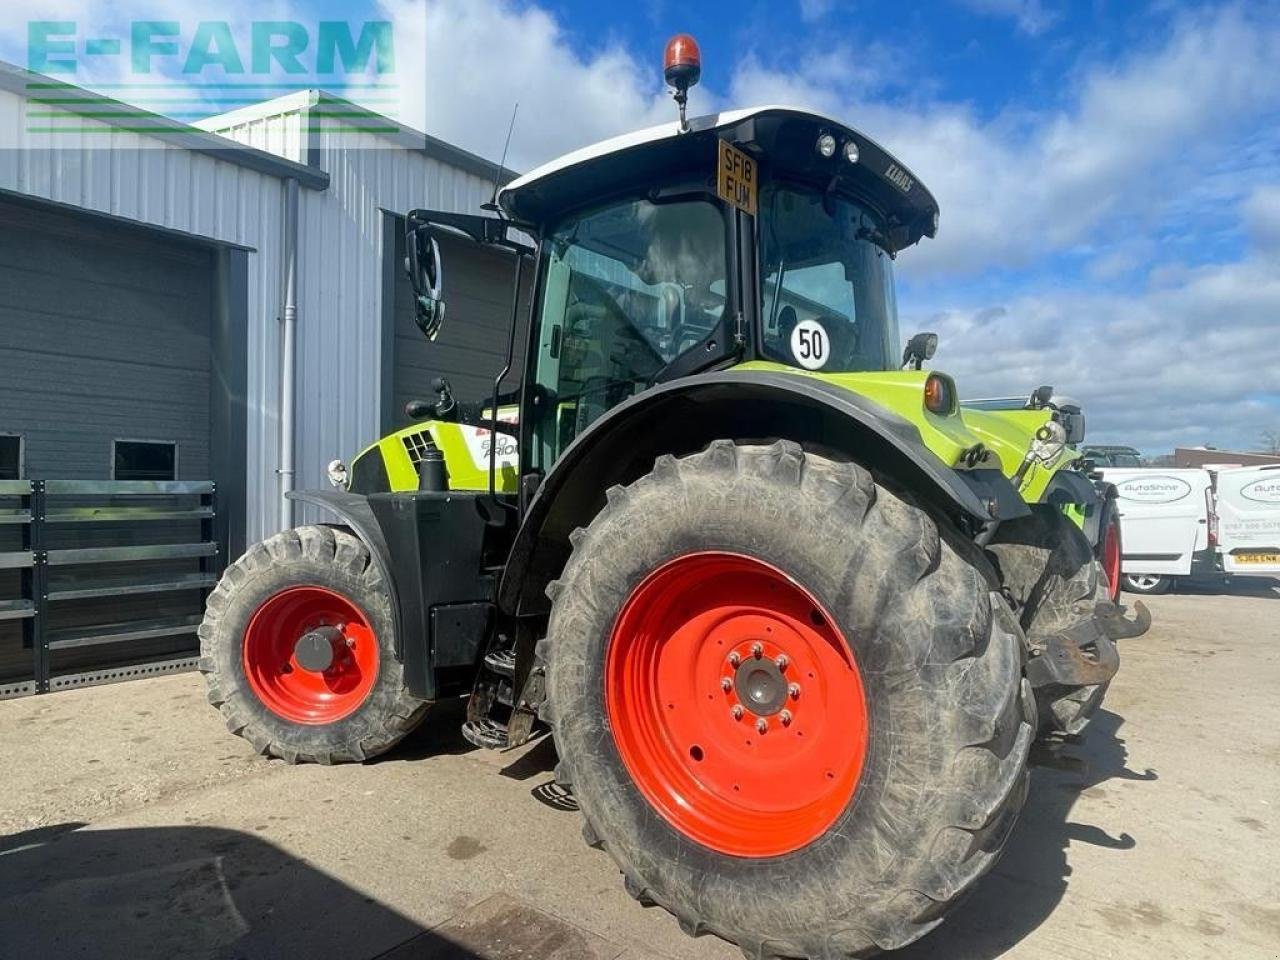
(792, 613)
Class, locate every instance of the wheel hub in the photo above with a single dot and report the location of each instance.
(316, 649)
(310, 655)
(760, 686)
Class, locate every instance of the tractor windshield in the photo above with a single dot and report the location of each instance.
(826, 288)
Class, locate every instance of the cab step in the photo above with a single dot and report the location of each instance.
(501, 662)
(488, 734)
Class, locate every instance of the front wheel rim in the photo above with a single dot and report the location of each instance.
(284, 638)
(736, 704)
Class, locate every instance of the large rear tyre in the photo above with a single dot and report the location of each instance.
(298, 650)
(792, 712)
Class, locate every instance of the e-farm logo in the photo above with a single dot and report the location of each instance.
(168, 69)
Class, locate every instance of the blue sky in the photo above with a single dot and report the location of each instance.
(1108, 172)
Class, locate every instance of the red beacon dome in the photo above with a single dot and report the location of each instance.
(682, 62)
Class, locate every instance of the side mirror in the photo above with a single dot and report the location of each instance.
(427, 279)
(920, 348)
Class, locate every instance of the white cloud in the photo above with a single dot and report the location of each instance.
(811, 11)
(1030, 16)
(1262, 217)
(1194, 360)
(463, 65)
(1021, 185)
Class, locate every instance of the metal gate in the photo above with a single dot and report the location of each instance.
(106, 579)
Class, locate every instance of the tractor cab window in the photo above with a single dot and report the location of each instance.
(626, 289)
(826, 287)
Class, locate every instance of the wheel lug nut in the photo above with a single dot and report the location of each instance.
(726, 684)
(783, 662)
(785, 717)
(762, 725)
(737, 711)
(757, 650)
(734, 659)
(794, 690)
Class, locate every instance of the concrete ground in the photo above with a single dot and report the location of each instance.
(132, 825)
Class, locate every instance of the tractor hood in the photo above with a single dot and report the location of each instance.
(782, 139)
(1005, 435)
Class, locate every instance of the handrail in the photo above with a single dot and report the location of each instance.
(159, 551)
(46, 526)
(126, 488)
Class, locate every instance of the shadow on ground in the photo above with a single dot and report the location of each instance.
(200, 892)
(1027, 884)
(1218, 586)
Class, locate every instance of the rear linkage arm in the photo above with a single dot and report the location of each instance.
(1086, 654)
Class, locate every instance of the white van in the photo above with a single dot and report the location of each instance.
(1248, 515)
(1164, 525)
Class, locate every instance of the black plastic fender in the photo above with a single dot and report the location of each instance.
(683, 416)
(353, 510)
(1068, 487)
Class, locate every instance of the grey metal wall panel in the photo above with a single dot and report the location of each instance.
(143, 180)
(340, 326)
(104, 334)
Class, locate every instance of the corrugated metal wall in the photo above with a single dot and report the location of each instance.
(340, 253)
(340, 268)
(340, 325)
(137, 178)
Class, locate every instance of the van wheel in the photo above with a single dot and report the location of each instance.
(1147, 583)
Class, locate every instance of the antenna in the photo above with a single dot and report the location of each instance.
(502, 165)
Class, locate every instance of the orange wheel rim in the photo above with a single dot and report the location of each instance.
(1111, 560)
(310, 655)
(736, 704)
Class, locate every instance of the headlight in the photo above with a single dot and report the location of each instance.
(337, 471)
(827, 145)
(851, 151)
(1049, 442)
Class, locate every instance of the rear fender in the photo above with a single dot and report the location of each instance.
(684, 416)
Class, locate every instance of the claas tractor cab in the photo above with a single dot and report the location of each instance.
(792, 614)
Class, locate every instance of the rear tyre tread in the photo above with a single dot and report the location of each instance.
(990, 772)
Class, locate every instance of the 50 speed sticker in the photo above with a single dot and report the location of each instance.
(810, 345)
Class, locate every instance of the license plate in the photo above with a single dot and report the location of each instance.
(736, 179)
(1256, 557)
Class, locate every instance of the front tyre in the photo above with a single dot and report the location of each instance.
(298, 650)
(792, 713)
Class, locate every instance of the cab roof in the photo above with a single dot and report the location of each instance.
(782, 139)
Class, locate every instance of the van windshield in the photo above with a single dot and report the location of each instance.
(826, 287)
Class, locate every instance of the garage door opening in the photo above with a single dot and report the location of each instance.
(121, 409)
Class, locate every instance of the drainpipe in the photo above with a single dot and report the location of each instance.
(288, 352)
